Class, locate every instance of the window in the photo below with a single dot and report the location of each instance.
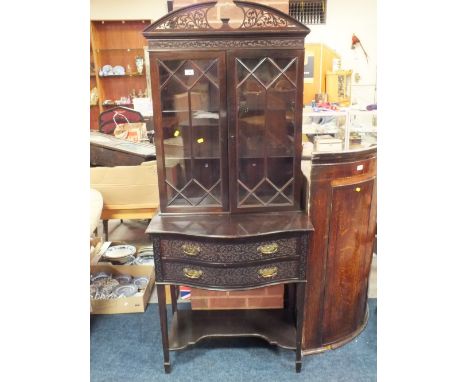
(308, 11)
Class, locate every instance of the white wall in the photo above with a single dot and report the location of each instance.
(128, 9)
(345, 17)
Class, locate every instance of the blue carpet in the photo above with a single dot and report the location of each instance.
(127, 347)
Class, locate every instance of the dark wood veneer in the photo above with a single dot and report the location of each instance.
(343, 212)
(247, 83)
(274, 326)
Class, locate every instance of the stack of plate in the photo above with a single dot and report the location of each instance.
(145, 256)
(120, 254)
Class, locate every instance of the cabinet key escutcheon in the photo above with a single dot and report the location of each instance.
(268, 272)
(193, 273)
(191, 249)
(268, 249)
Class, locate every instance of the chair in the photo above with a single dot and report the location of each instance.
(109, 119)
(128, 192)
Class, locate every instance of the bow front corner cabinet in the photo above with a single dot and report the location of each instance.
(227, 99)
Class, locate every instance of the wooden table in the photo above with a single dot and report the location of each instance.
(109, 151)
(232, 252)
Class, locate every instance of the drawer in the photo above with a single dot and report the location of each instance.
(230, 277)
(231, 251)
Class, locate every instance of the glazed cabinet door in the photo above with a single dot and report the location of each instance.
(265, 116)
(191, 130)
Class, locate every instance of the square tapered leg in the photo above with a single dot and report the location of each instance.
(161, 290)
(300, 290)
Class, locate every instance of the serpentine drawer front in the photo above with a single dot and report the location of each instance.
(224, 251)
(206, 276)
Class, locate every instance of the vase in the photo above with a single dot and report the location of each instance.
(139, 62)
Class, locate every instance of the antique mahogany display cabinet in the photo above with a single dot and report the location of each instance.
(227, 99)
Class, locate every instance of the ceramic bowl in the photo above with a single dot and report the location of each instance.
(119, 252)
(126, 290)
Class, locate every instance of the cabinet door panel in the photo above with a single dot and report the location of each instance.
(191, 130)
(265, 104)
(347, 263)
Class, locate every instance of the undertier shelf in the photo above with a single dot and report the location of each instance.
(276, 326)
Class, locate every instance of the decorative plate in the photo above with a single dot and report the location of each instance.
(118, 70)
(147, 248)
(126, 290)
(144, 260)
(93, 290)
(120, 251)
(141, 282)
(99, 276)
(145, 254)
(107, 70)
(123, 279)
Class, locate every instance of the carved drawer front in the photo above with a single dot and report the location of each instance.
(230, 252)
(201, 275)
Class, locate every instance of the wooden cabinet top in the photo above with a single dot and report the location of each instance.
(230, 225)
(197, 21)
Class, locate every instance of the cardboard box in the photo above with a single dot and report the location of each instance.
(127, 187)
(133, 304)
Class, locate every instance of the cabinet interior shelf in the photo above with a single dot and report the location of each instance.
(117, 49)
(190, 326)
(123, 75)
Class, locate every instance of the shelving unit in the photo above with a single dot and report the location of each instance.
(116, 42)
(344, 124)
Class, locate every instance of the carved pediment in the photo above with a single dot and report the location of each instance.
(195, 19)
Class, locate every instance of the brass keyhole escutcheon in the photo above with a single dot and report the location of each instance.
(358, 189)
(268, 272)
(191, 249)
(268, 249)
(193, 273)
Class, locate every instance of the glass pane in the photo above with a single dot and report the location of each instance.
(362, 129)
(267, 72)
(193, 183)
(174, 96)
(251, 172)
(191, 133)
(178, 174)
(281, 113)
(289, 67)
(266, 94)
(206, 172)
(251, 118)
(188, 73)
(280, 171)
(325, 130)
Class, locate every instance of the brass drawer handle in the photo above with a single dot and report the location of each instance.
(192, 273)
(268, 272)
(191, 249)
(268, 249)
